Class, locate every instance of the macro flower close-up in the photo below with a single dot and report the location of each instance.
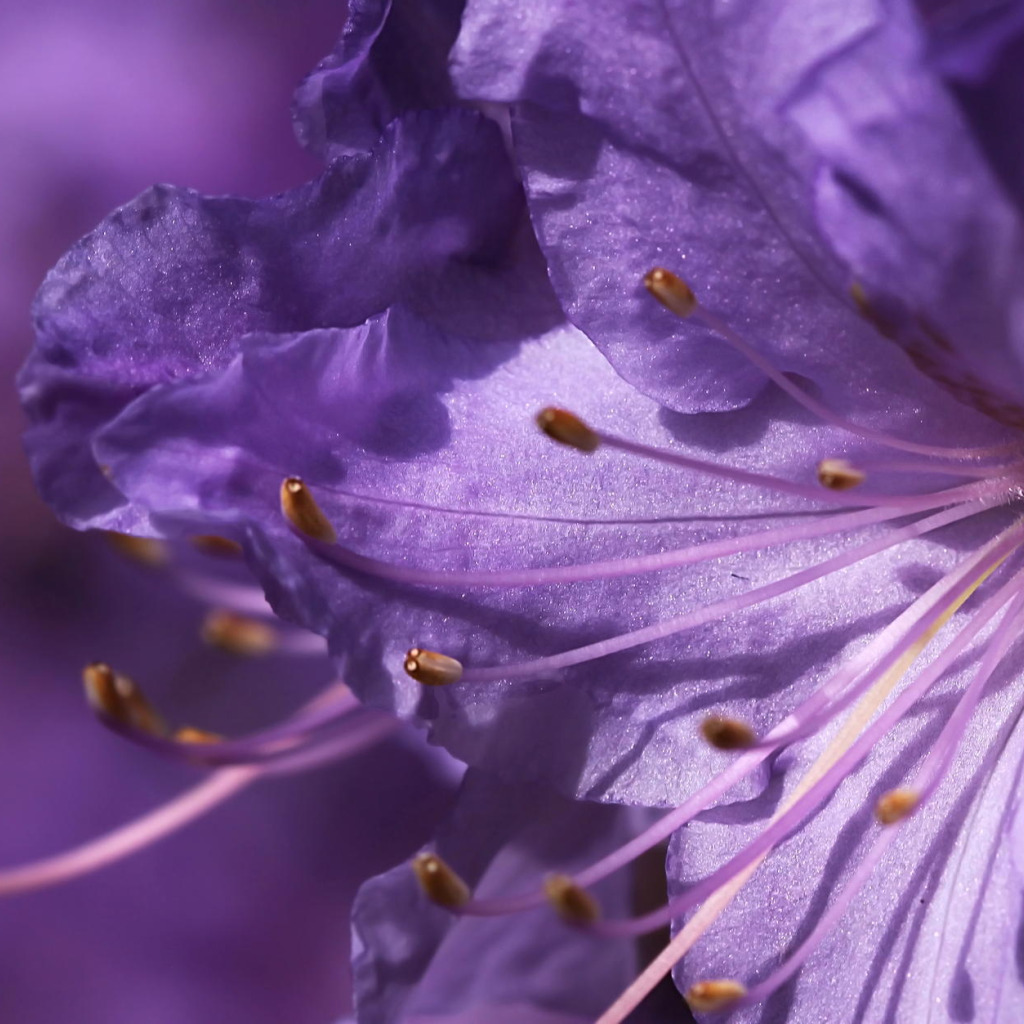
(632, 408)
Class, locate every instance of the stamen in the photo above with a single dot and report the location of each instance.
(301, 510)
(997, 647)
(839, 475)
(216, 546)
(237, 634)
(783, 486)
(117, 698)
(708, 996)
(896, 805)
(829, 523)
(568, 429)
(145, 550)
(431, 668)
(711, 612)
(190, 734)
(822, 778)
(571, 901)
(439, 882)
(126, 840)
(920, 620)
(727, 334)
(727, 733)
(671, 291)
(244, 599)
(327, 720)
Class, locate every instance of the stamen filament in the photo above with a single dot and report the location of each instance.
(808, 799)
(832, 522)
(719, 609)
(930, 774)
(676, 296)
(922, 611)
(193, 803)
(275, 742)
(816, 778)
(128, 839)
(964, 492)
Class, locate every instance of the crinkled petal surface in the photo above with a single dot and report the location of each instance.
(420, 447)
(165, 287)
(392, 57)
(934, 936)
(413, 961)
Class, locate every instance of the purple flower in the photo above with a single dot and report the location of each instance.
(764, 535)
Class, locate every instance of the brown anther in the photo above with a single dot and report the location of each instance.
(671, 291)
(572, 902)
(237, 634)
(145, 550)
(868, 311)
(101, 688)
(706, 996)
(216, 546)
(727, 733)
(431, 668)
(567, 428)
(189, 734)
(117, 697)
(896, 805)
(440, 884)
(301, 510)
(839, 475)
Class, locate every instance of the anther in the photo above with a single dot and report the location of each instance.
(217, 546)
(190, 734)
(237, 634)
(671, 291)
(431, 668)
(439, 882)
(572, 902)
(119, 699)
(707, 996)
(896, 805)
(839, 475)
(301, 510)
(727, 733)
(567, 428)
(144, 550)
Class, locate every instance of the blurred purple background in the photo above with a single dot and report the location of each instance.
(243, 917)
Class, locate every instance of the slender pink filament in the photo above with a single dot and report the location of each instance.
(719, 609)
(915, 619)
(813, 492)
(832, 522)
(929, 777)
(128, 839)
(787, 822)
(798, 394)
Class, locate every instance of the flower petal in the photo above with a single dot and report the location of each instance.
(165, 287)
(414, 961)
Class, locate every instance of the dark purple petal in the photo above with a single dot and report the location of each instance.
(392, 58)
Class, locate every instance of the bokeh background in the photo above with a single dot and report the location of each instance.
(243, 917)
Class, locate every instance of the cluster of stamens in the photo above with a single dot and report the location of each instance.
(859, 689)
(866, 688)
